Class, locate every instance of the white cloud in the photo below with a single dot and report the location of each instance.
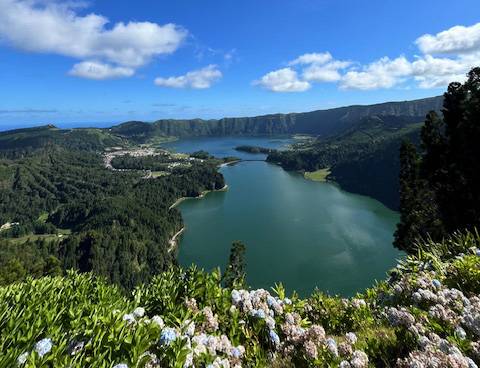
(313, 58)
(283, 80)
(47, 26)
(329, 72)
(384, 73)
(446, 57)
(456, 40)
(100, 71)
(197, 79)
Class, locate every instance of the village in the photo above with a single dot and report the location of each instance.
(172, 160)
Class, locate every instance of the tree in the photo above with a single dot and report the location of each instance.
(440, 189)
(235, 273)
(407, 230)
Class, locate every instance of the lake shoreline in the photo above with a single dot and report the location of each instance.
(173, 242)
(200, 196)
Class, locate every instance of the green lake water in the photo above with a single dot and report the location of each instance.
(304, 234)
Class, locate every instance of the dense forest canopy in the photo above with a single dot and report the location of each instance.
(63, 209)
(440, 181)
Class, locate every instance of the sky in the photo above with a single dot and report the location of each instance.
(102, 61)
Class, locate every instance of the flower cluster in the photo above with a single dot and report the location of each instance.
(438, 308)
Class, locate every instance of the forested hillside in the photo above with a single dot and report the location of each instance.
(321, 122)
(363, 159)
(61, 208)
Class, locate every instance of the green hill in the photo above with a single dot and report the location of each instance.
(363, 159)
(321, 122)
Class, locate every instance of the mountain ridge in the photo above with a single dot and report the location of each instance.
(318, 122)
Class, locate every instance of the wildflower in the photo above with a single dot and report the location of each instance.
(167, 336)
(121, 365)
(139, 312)
(436, 284)
(158, 321)
(129, 318)
(22, 358)
(43, 347)
(287, 301)
(274, 339)
(344, 364)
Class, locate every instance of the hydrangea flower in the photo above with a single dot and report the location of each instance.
(332, 346)
(167, 336)
(460, 332)
(22, 358)
(259, 313)
(139, 312)
(351, 338)
(43, 347)
(236, 297)
(158, 321)
(121, 365)
(237, 352)
(359, 360)
(274, 338)
(129, 318)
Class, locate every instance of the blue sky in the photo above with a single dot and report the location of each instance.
(112, 61)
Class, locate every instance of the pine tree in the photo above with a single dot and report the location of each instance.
(407, 230)
(440, 189)
(235, 273)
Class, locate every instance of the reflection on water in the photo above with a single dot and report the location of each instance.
(302, 233)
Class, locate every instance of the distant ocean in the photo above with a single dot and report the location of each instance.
(5, 127)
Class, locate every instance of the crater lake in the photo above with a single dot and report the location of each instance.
(302, 233)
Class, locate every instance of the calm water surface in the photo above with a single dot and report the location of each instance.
(302, 233)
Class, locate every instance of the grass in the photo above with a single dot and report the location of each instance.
(47, 237)
(319, 175)
(43, 217)
(157, 174)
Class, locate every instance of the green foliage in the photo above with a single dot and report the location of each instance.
(444, 194)
(84, 309)
(363, 159)
(119, 223)
(235, 273)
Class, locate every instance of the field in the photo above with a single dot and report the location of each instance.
(319, 175)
